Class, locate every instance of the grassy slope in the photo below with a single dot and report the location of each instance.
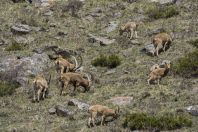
(174, 92)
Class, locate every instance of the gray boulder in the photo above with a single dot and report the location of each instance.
(149, 49)
(21, 29)
(82, 106)
(193, 110)
(19, 69)
(62, 111)
(164, 1)
(102, 40)
(111, 26)
(121, 100)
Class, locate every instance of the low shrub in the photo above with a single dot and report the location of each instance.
(7, 88)
(15, 47)
(187, 66)
(143, 121)
(111, 61)
(194, 42)
(156, 11)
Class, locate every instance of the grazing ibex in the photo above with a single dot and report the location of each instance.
(130, 28)
(100, 110)
(76, 79)
(158, 73)
(64, 65)
(40, 85)
(160, 41)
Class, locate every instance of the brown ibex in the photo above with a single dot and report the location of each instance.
(100, 110)
(158, 73)
(130, 28)
(75, 79)
(160, 41)
(40, 85)
(64, 65)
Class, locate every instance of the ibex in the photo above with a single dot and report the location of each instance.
(155, 66)
(158, 73)
(40, 85)
(100, 110)
(130, 28)
(76, 79)
(160, 41)
(64, 65)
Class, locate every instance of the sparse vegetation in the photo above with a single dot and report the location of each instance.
(15, 47)
(7, 88)
(156, 11)
(73, 6)
(187, 66)
(143, 121)
(111, 61)
(194, 42)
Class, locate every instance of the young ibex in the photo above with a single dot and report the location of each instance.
(40, 85)
(130, 28)
(160, 41)
(64, 65)
(100, 110)
(158, 73)
(76, 79)
(155, 66)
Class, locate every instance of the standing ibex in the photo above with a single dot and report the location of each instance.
(40, 85)
(76, 79)
(155, 66)
(130, 28)
(158, 73)
(64, 65)
(160, 41)
(100, 110)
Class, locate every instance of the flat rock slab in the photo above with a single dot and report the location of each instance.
(149, 49)
(21, 28)
(121, 100)
(164, 1)
(82, 106)
(193, 110)
(62, 111)
(102, 40)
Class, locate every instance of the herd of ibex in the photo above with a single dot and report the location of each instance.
(68, 75)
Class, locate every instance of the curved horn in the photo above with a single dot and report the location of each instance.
(77, 67)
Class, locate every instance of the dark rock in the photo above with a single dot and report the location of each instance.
(62, 111)
(2, 42)
(21, 29)
(149, 49)
(165, 2)
(80, 105)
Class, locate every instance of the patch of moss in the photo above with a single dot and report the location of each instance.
(156, 11)
(111, 61)
(143, 121)
(7, 88)
(187, 66)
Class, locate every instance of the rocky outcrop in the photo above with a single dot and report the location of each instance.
(102, 40)
(82, 106)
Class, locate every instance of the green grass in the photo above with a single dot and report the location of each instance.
(194, 42)
(15, 47)
(188, 65)
(7, 88)
(156, 12)
(143, 121)
(111, 61)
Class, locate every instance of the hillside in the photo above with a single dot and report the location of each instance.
(58, 25)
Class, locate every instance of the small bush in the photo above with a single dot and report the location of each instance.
(194, 42)
(15, 47)
(188, 65)
(143, 121)
(157, 12)
(7, 88)
(111, 61)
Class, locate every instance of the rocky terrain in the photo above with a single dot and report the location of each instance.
(30, 32)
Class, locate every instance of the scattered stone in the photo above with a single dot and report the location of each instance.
(117, 15)
(62, 111)
(110, 72)
(101, 40)
(52, 111)
(82, 106)
(20, 68)
(126, 72)
(165, 1)
(193, 110)
(24, 39)
(21, 29)
(149, 49)
(2, 42)
(121, 100)
(135, 42)
(128, 52)
(48, 13)
(111, 26)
